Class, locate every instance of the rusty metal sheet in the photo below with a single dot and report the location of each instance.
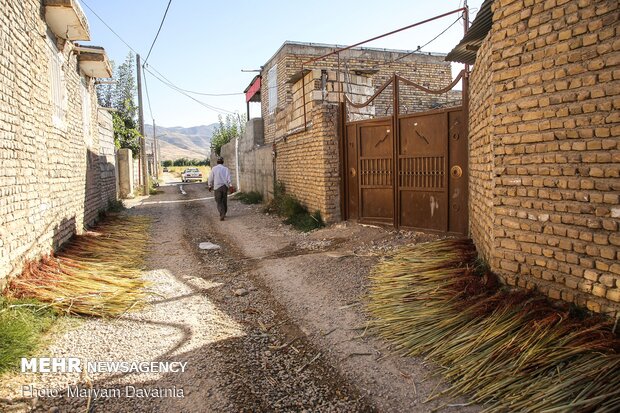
(457, 173)
(422, 171)
(352, 172)
(417, 179)
(375, 160)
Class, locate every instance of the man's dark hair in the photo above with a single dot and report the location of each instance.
(220, 160)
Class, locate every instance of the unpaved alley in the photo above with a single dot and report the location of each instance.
(271, 321)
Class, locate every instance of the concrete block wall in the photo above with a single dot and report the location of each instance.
(125, 170)
(50, 165)
(550, 70)
(254, 159)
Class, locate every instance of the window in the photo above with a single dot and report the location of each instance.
(86, 113)
(272, 84)
(58, 87)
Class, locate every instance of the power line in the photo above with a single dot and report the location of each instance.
(174, 87)
(194, 92)
(158, 30)
(166, 82)
(146, 89)
(419, 48)
(108, 26)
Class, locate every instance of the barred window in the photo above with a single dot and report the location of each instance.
(58, 86)
(86, 112)
(272, 84)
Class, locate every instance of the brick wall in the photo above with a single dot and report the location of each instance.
(481, 180)
(56, 171)
(307, 161)
(554, 143)
(430, 70)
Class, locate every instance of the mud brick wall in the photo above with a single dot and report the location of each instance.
(51, 168)
(430, 70)
(555, 145)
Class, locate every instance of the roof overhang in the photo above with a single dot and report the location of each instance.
(252, 92)
(93, 61)
(465, 51)
(66, 19)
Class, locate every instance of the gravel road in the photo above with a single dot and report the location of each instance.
(271, 321)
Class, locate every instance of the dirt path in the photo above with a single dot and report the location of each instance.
(272, 321)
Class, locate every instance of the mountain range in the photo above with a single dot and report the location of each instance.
(178, 142)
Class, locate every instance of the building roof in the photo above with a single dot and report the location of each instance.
(465, 51)
(305, 48)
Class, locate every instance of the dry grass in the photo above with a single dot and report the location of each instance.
(509, 351)
(96, 274)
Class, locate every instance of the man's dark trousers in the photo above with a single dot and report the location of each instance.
(221, 199)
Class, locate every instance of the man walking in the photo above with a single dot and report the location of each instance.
(219, 179)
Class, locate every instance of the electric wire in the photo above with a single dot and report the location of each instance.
(191, 91)
(174, 87)
(151, 66)
(158, 30)
(419, 48)
(108, 26)
(146, 89)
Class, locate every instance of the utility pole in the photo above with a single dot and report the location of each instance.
(145, 177)
(155, 151)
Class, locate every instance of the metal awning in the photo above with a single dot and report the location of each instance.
(465, 51)
(252, 92)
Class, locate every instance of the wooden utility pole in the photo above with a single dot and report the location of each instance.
(145, 176)
(155, 151)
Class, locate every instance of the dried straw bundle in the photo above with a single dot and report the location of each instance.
(511, 351)
(96, 274)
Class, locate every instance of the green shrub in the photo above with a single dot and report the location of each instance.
(22, 323)
(252, 197)
(294, 212)
(305, 221)
(116, 206)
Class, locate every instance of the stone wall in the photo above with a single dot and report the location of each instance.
(552, 134)
(56, 168)
(430, 70)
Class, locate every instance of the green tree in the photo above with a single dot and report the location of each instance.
(167, 163)
(230, 128)
(121, 96)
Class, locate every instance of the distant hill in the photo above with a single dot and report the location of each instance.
(178, 142)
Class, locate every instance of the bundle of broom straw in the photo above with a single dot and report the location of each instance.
(507, 350)
(95, 274)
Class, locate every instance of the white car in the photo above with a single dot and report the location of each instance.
(191, 174)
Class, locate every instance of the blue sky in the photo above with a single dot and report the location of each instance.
(203, 44)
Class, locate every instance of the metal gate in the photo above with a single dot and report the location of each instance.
(408, 171)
